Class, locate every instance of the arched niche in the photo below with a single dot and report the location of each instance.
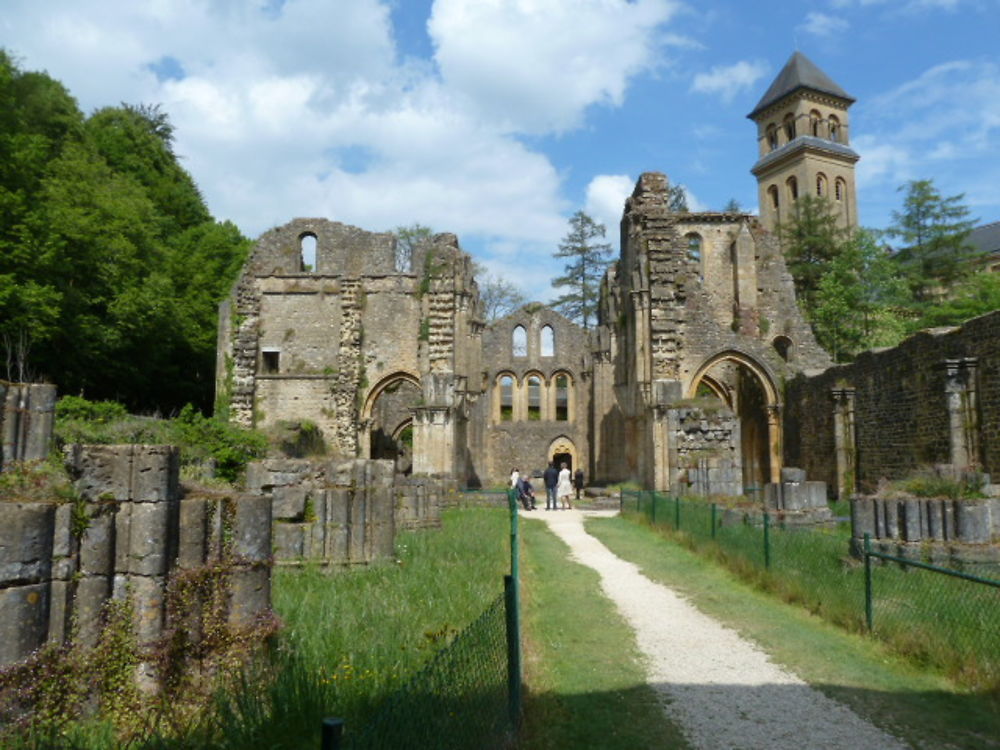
(388, 416)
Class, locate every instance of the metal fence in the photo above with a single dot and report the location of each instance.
(946, 618)
(467, 697)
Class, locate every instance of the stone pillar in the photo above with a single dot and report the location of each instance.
(433, 440)
(27, 412)
(774, 440)
(844, 439)
(963, 420)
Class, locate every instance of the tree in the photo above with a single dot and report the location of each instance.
(934, 231)
(811, 239)
(977, 295)
(732, 207)
(499, 297)
(677, 200)
(408, 240)
(583, 272)
(858, 299)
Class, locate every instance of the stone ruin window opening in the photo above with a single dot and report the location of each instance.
(772, 193)
(270, 361)
(694, 251)
(403, 257)
(534, 398)
(548, 342)
(307, 252)
(506, 398)
(793, 188)
(519, 342)
(783, 346)
(562, 398)
(814, 120)
(838, 188)
(834, 129)
(821, 185)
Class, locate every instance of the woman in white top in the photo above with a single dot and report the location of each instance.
(564, 490)
(514, 476)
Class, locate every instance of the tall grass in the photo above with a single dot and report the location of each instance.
(350, 636)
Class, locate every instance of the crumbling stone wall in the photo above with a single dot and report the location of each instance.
(27, 412)
(704, 452)
(934, 399)
(130, 533)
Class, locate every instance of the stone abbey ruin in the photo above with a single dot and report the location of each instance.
(701, 377)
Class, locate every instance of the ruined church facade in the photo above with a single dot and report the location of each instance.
(679, 385)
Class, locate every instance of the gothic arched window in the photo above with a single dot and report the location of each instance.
(506, 398)
(834, 129)
(562, 398)
(793, 188)
(821, 185)
(772, 136)
(789, 125)
(307, 252)
(519, 342)
(814, 121)
(534, 398)
(548, 342)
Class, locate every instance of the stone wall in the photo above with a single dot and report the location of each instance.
(27, 412)
(934, 399)
(704, 452)
(129, 534)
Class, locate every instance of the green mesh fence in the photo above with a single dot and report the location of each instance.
(937, 616)
(458, 700)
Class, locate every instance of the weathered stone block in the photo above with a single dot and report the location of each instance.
(194, 531)
(151, 533)
(26, 541)
(252, 528)
(972, 522)
(772, 496)
(935, 520)
(862, 517)
(97, 543)
(60, 609)
(154, 473)
(289, 541)
(792, 474)
(147, 595)
(102, 472)
(23, 620)
(250, 595)
(63, 543)
(909, 520)
(91, 593)
(288, 503)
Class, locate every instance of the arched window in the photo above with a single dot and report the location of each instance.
(548, 342)
(834, 129)
(782, 345)
(789, 125)
(403, 260)
(562, 398)
(772, 136)
(694, 247)
(793, 188)
(839, 188)
(307, 252)
(506, 398)
(821, 185)
(772, 193)
(519, 342)
(534, 398)
(814, 120)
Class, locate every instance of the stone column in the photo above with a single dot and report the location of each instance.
(774, 440)
(963, 419)
(844, 441)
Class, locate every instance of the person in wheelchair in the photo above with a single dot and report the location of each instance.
(525, 492)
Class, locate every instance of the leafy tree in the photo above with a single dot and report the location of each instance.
(732, 206)
(934, 231)
(811, 239)
(498, 295)
(858, 299)
(587, 263)
(677, 199)
(977, 295)
(408, 240)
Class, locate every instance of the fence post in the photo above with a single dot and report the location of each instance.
(767, 539)
(513, 613)
(512, 503)
(868, 582)
(713, 520)
(333, 730)
(677, 513)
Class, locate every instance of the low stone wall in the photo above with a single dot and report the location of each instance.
(27, 412)
(420, 499)
(796, 498)
(967, 530)
(704, 452)
(130, 533)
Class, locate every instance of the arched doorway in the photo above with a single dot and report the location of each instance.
(747, 387)
(388, 419)
(562, 451)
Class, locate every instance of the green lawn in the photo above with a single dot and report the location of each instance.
(924, 708)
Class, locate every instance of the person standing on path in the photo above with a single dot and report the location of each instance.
(578, 482)
(515, 476)
(565, 488)
(551, 479)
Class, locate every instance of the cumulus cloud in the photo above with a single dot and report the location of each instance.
(728, 80)
(606, 194)
(822, 24)
(535, 66)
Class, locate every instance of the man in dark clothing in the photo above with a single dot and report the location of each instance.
(578, 482)
(551, 478)
(526, 493)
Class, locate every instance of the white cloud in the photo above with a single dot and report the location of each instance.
(606, 194)
(536, 65)
(728, 80)
(821, 24)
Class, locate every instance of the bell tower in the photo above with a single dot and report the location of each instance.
(803, 138)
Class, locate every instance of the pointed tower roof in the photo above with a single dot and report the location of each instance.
(799, 73)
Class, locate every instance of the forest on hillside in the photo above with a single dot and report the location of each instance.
(111, 266)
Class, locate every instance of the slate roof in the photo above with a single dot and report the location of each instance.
(799, 73)
(986, 238)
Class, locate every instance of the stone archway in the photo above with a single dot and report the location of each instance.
(562, 450)
(752, 394)
(387, 418)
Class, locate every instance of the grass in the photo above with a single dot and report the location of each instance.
(586, 687)
(351, 636)
(920, 705)
(935, 620)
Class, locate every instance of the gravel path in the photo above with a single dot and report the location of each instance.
(721, 689)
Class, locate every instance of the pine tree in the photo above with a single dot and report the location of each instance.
(810, 241)
(934, 230)
(583, 272)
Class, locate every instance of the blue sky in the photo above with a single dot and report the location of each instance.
(497, 119)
